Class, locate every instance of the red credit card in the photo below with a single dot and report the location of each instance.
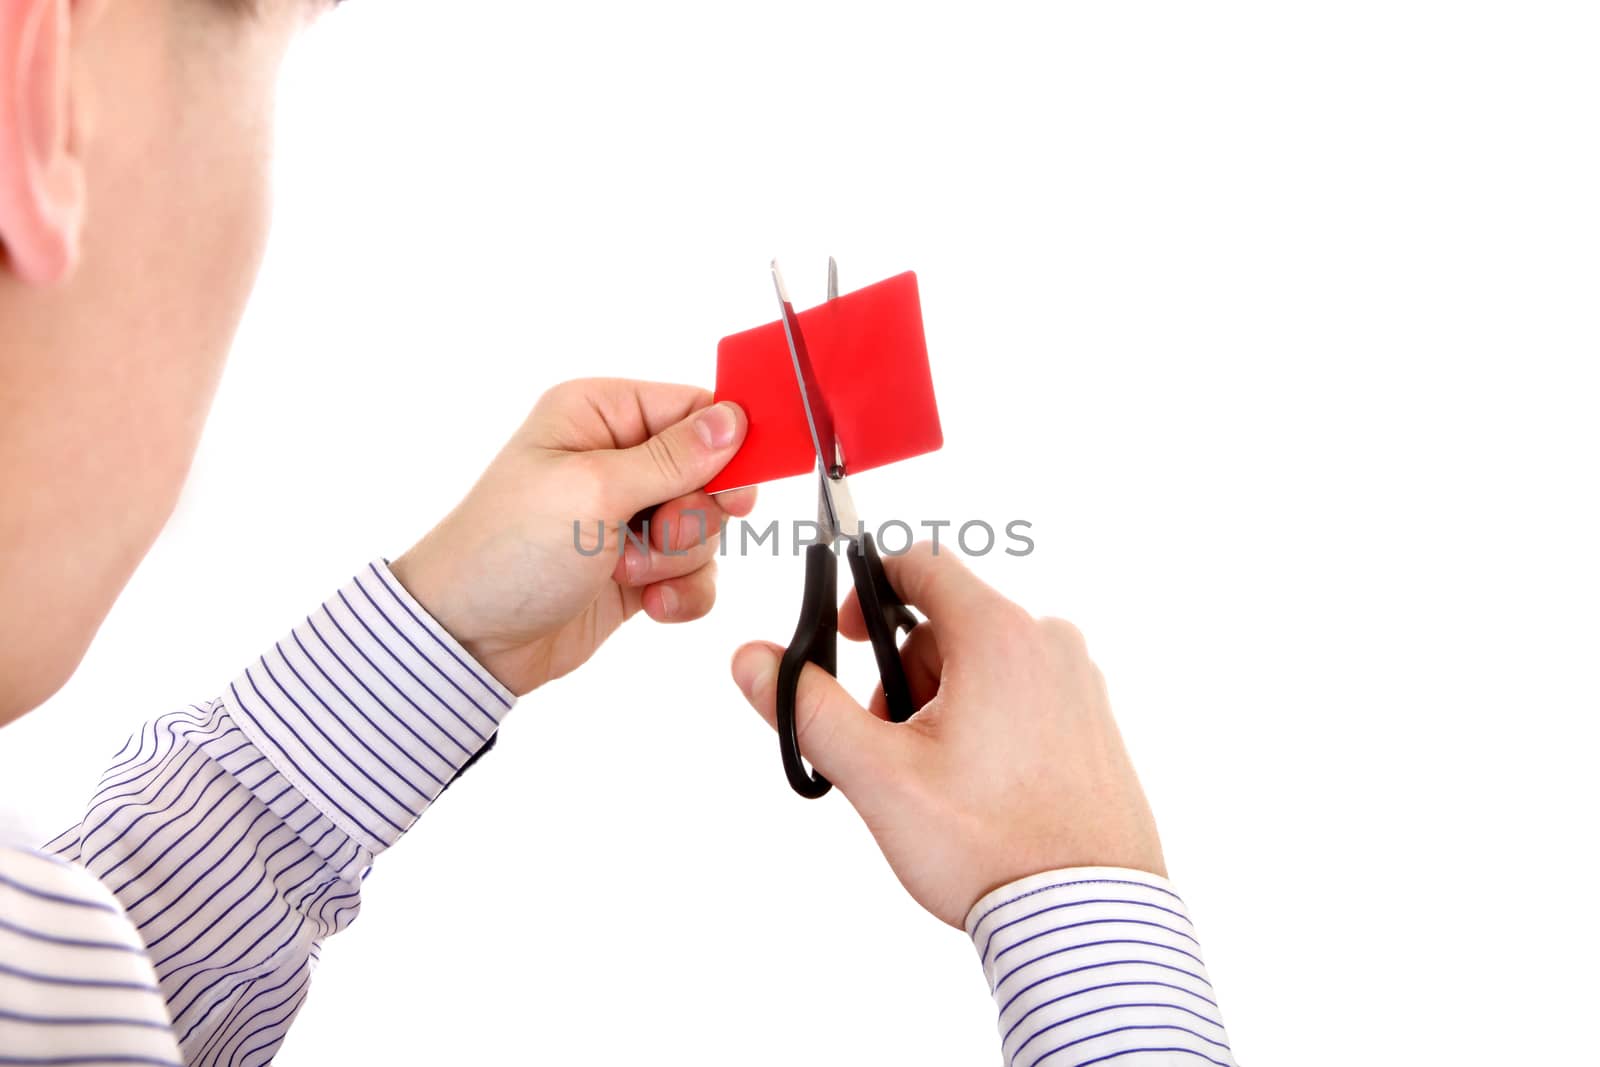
(871, 362)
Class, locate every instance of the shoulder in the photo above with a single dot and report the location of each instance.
(44, 877)
(76, 985)
(50, 901)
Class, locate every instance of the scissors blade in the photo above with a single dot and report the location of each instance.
(818, 417)
(834, 496)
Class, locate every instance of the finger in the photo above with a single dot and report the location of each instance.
(683, 599)
(836, 734)
(943, 588)
(591, 413)
(924, 667)
(641, 565)
(675, 538)
(686, 522)
(679, 460)
(852, 624)
(698, 516)
(919, 654)
(737, 502)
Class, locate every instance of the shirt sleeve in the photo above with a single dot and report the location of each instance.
(1097, 965)
(236, 833)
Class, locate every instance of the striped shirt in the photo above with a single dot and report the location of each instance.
(180, 920)
(1095, 965)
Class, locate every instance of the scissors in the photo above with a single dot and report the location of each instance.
(816, 637)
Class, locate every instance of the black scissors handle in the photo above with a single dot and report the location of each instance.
(816, 640)
(886, 616)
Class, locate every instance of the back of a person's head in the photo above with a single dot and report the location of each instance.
(134, 156)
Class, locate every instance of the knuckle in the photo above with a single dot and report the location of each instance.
(587, 485)
(923, 558)
(665, 458)
(1065, 635)
(939, 569)
(1009, 617)
(561, 395)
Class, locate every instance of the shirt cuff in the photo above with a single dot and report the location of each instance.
(1095, 964)
(369, 707)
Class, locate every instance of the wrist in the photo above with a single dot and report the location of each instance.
(1126, 848)
(434, 591)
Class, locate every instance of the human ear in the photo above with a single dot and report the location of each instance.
(41, 169)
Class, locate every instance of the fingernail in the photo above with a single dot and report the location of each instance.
(669, 601)
(717, 425)
(634, 562)
(750, 669)
(693, 529)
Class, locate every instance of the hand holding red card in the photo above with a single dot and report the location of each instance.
(871, 362)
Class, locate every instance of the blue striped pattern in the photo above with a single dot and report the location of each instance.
(179, 922)
(228, 839)
(75, 984)
(1097, 965)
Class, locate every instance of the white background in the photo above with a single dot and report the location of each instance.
(1278, 321)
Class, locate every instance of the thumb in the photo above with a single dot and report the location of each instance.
(678, 460)
(842, 739)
